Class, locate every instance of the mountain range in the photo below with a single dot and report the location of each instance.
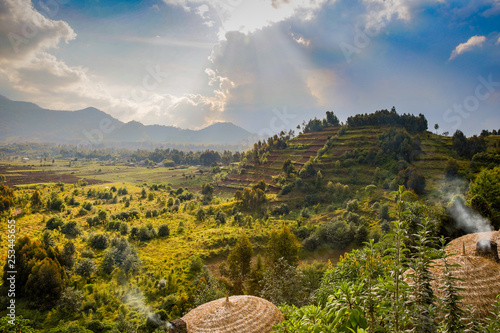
(27, 122)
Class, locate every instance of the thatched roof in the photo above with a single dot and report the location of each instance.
(469, 241)
(478, 277)
(245, 314)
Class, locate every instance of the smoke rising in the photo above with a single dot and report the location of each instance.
(467, 219)
(135, 298)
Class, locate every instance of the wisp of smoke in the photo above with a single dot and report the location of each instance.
(467, 219)
(158, 322)
(136, 299)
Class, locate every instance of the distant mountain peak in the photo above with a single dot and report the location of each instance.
(27, 122)
(3, 98)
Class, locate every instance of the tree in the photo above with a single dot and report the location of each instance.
(45, 283)
(332, 119)
(85, 268)
(200, 215)
(207, 190)
(436, 127)
(68, 255)
(6, 198)
(102, 215)
(54, 222)
(282, 284)
(71, 229)
(238, 262)
(283, 244)
(70, 302)
(255, 277)
(288, 167)
(55, 202)
(487, 187)
(20, 325)
(99, 241)
(36, 199)
(411, 178)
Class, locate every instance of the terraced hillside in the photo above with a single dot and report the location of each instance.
(345, 160)
(299, 150)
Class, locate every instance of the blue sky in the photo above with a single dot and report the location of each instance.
(265, 65)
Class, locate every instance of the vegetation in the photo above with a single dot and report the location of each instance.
(323, 224)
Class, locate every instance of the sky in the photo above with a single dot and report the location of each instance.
(265, 65)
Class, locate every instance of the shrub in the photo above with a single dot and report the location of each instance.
(163, 230)
(72, 229)
(220, 218)
(146, 233)
(282, 209)
(85, 267)
(54, 222)
(286, 189)
(352, 205)
(99, 241)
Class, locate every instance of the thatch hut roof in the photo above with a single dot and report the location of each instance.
(248, 314)
(477, 276)
(469, 242)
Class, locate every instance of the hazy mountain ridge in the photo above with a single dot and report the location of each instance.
(27, 122)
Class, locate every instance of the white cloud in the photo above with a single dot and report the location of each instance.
(253, 74)
(248, 15)
(378, 11)
(27, 67)
(24, 31)
(474, 41)
(498, 41)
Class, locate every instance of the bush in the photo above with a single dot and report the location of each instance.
(146, 233)
(85, 267)
(55, 202)
(99, 241)
(352, 205)
(72, 229)
(54, 222)
(220, 218)
(123, 228)
(70, 302)
(163, 230)
(286, 189)
(383, 212)
(282, 209)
